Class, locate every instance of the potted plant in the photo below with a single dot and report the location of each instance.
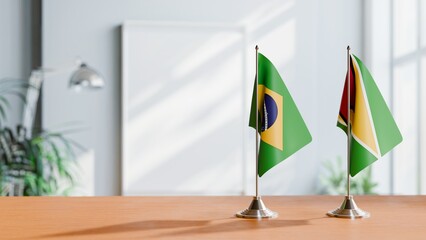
(36, 164)
(333, 181)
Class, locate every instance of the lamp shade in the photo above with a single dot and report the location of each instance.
(86, 77)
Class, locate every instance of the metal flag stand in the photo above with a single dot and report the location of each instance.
(348, 209)
(257, 208)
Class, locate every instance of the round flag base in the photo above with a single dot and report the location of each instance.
(349, 209)
(257, 209)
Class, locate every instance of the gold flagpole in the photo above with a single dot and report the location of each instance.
(348, 209)
(257, 208)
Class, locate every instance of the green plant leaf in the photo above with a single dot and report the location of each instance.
(335, 177)
(47, 162)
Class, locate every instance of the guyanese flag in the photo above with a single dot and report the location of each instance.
(281, 127)
(373, 129)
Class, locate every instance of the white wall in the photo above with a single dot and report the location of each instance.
(15, 47)
(305, 39)
(340, 23)
(395, 53)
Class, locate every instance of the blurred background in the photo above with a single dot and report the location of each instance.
(172, 115)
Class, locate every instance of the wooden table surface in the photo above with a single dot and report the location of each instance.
(301, 217)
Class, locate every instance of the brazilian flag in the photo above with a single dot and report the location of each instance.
(280, 125)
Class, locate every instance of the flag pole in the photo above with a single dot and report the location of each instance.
(257, 208)
(348, 130)
(348, 209)
(257, 122)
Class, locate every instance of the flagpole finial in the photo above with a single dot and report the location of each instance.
(348, 48)
(257, 47)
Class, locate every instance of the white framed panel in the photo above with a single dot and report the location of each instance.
(182, 108)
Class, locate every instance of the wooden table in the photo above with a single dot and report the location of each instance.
(301, 217)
